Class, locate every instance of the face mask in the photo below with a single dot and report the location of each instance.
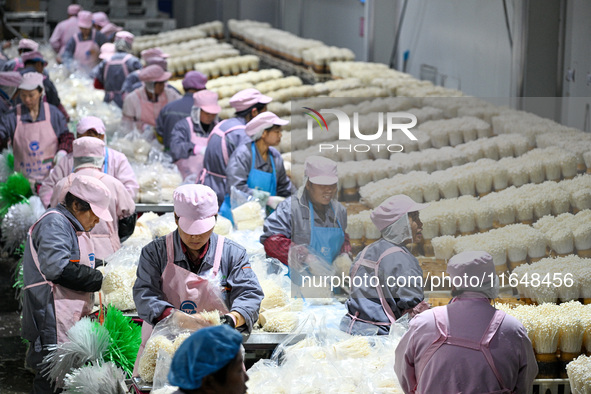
(150, 86)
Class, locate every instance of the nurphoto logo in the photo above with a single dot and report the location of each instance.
(393, 123)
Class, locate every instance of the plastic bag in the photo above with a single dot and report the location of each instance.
(310, 274)
(119, 277)
(168, 335)
(162, 225)
(249, 239)
(246, 210)
(163, 361)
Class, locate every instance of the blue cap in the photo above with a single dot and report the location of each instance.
(205, 352)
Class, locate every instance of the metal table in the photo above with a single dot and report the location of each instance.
(158, 208)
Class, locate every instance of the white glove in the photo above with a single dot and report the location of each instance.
(273, 201)
(60, 153)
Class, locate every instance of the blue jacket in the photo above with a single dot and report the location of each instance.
(56, 244)
(245, 294)
(181, 146)
(214, 160)
(366, 302)
(171, 114)
(239, 169)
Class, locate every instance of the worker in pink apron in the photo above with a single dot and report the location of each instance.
(193, 369)
(193, 269)
(467, 346)
(189, 136)
(84, 47)
(142, 106)
(193, 81)
(58, 270)
(148, 57)
(115, 163)
(109, 31)
(257, 168)
(312, 218)
(229, 135)
(9, 82)
(372, 310)
(65, 30)
(89, 156)
(24, 45)
(37, 130)
(111, 72)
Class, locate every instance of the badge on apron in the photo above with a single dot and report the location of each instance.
(189, 307)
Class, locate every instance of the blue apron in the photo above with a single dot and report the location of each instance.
(257, 179)
(327, 242)
(105, 164)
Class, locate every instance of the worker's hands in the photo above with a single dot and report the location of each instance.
(227, 319)
(262, 196)
(60, 153)
(273, 201)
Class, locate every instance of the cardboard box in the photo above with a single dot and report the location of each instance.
(23, 5)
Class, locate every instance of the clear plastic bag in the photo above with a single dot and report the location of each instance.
(163, 361)
(119, 277)
(168, 335)
(246, 210)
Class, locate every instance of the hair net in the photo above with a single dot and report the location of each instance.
(399, 231)
(206, 351)
(88, 161)
(122, 46)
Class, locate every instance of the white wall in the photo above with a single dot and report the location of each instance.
(577, 93)
(465, 39)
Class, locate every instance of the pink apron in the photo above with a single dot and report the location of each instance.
(222, 134)
(35, 145)
(442, 324)
(70, 305)
(183, 289)
(149, 110)
(86, 53)
(105, 238)
(375, 265)
(194, 163)
(110, 95)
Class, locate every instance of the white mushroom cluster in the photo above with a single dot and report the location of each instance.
(579, 375)
(567, 268)
(567, 232)
(482, 177)
(228, 66)
(214, 28)
(286, 45)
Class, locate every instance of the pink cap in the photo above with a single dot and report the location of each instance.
(158, 61)
(85, 19)
(95, 193)
(35, 56)
(246, 98)
(194, 80)
(196, 207)
(321, 171)
(110, 28)
(25, 43)
(100, 19)
(153, 52)
(10, 78)
(88, 147)
(88, 123)
(393, 209)
(126, 36)
(107, 50)
(154, 73)
(74, 9)
(254, 129)
(31, 81)
(472, 264)
(207, 101)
